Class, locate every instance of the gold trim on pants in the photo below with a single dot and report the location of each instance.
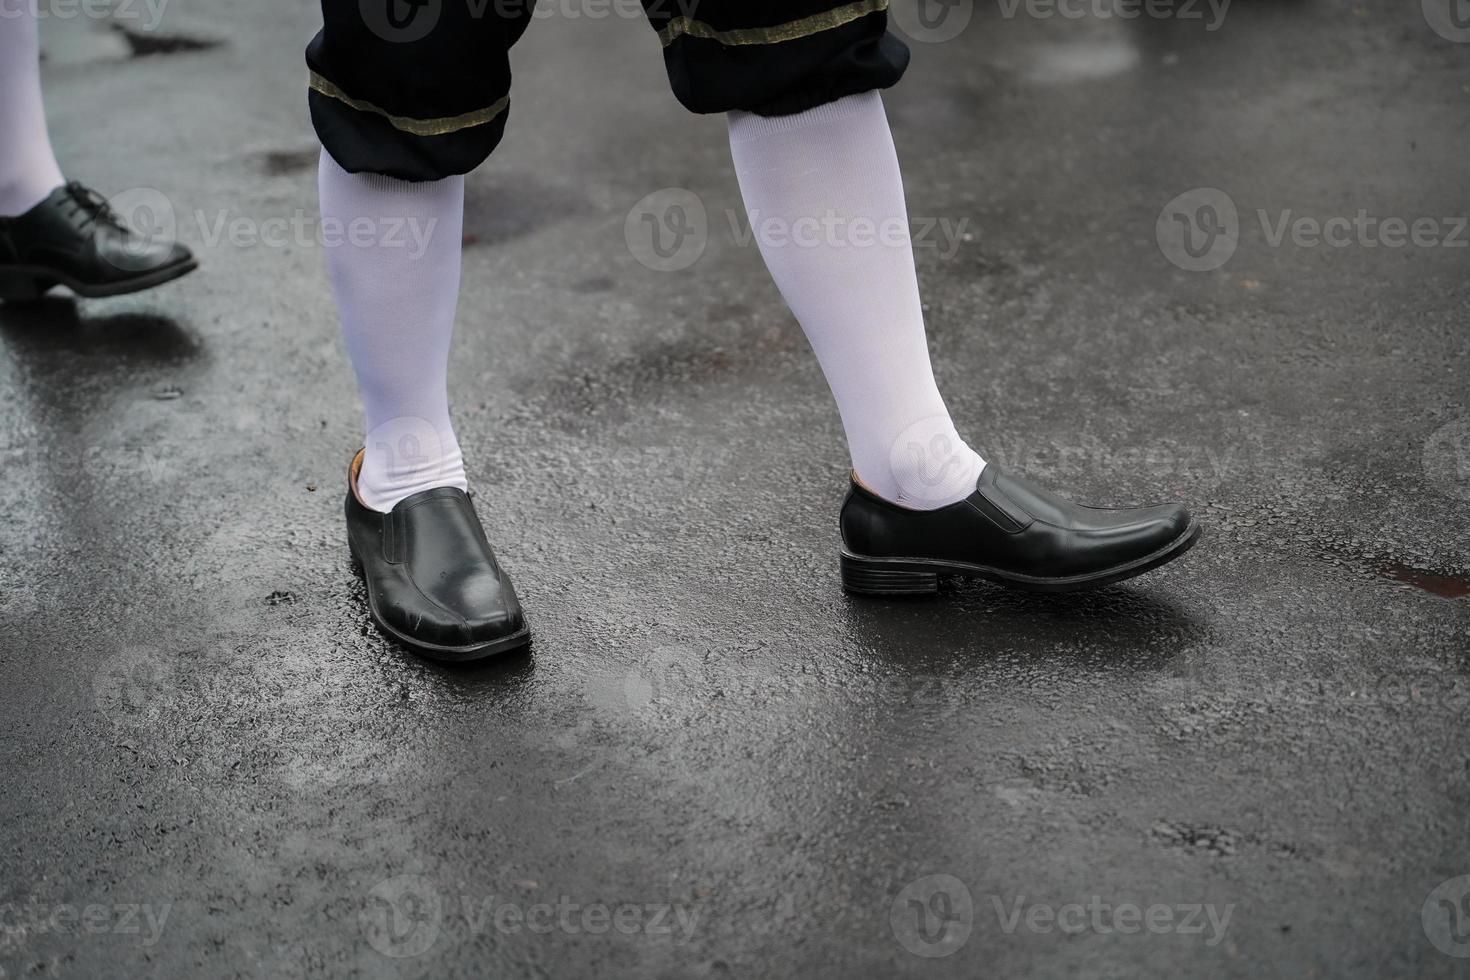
(789, 31)
(417, 127)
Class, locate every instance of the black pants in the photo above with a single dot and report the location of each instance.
(420, 89)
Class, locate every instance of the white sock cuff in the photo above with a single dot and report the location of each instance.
(746, 126)
(380, 184)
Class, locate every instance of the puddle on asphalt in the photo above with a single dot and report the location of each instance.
(280, 163)
(1444, 586)
(1082, 62)
(516, 206)
(141, 44)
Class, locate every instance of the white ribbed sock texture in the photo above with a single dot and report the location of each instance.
(28, 169)
(824, 196)
(395, 271)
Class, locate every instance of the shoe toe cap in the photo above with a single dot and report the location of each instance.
(1169, 521)
(177, 254)
(435, 625)
(486, 628)
(1155, 530)
(458, 617)
(160, 255)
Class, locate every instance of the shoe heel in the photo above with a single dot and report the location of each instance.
(22, 286)
(865, 577)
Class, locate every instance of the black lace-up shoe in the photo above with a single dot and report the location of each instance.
(433, 582)
(75, 239)
(1008, 531)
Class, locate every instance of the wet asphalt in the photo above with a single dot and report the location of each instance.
(1252, 763)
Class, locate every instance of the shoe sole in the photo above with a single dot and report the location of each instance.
(433, 651)
(920, 576)
(31, 282)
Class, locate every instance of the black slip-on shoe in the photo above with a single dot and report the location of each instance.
(75, 239)
(1008, 531)
(433, 583)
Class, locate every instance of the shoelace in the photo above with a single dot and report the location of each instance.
(91, 207)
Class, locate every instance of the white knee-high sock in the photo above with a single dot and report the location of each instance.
(28, 169)
(395, 272)
(825, 199)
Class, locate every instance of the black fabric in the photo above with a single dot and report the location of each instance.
(418, 59)
(435, 64)
(784, 77)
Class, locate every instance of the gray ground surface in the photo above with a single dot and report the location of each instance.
(199, 723)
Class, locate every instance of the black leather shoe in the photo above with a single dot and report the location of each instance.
(75, 239)
(433, 582)
(1008, 531)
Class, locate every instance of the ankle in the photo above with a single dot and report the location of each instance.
(21, 195)
(928, 466)
(400, 461)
